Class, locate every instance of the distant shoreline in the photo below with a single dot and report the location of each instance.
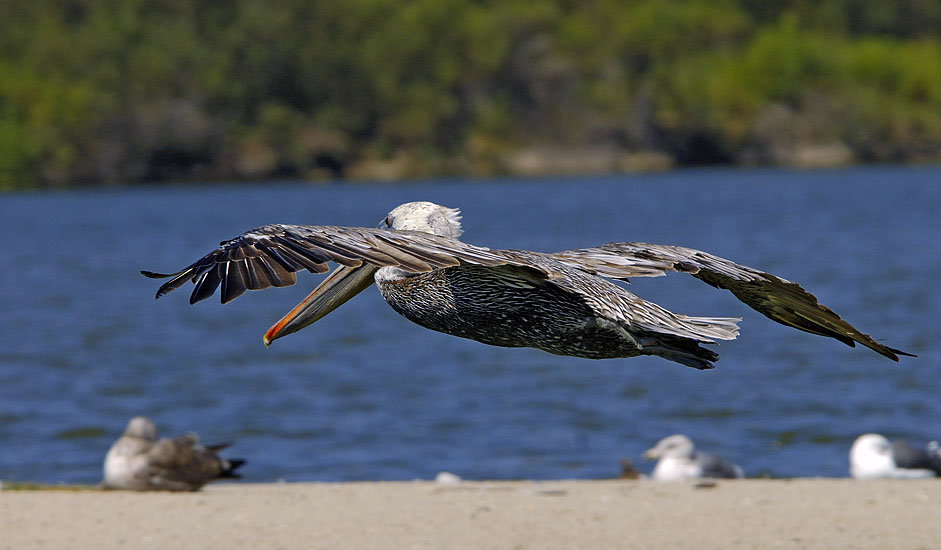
(627, 164)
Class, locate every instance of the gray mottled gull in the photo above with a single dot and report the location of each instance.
(872, 456)
(679, 460)
(561, 302)
(139, 461)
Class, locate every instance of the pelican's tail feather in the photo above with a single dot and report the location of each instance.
(681, 350)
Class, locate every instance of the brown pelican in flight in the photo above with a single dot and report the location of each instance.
(559, 302)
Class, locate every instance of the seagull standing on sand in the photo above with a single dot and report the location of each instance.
(872, 456)
(559, 302)
(679, 460)
(138, 461)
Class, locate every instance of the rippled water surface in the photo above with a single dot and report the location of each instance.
(365, 394)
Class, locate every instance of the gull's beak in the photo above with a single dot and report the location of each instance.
(651, 454)
(337, 288)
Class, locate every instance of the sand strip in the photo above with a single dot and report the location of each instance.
(804, 513)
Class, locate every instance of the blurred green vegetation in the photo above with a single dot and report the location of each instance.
(29, 486)
(148, 90)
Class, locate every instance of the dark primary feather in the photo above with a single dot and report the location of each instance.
(231, 465)
(715, 466)
(909, 457)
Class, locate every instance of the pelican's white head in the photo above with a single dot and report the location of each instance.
(345, 282)
(142, 427)
(871, 457)
(426, 217)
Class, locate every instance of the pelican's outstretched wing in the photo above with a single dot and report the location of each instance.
(776, 298)
(270, 255)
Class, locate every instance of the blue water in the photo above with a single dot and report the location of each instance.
(366, 395)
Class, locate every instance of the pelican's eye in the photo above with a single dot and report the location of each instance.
(386, 223)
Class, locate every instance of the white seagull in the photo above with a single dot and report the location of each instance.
(679, 460)
(872, 456)
(139, 461)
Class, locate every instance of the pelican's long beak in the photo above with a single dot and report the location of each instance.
(331, 293)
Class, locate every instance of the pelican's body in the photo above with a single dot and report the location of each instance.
(560, 302)
(477, 303)
(518, 309)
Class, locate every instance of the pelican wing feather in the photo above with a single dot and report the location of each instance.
(270, 255)
(776, 298)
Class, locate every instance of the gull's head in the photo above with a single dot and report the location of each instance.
(426, 217)
(674, 446)
(142, 427)
(871, 456)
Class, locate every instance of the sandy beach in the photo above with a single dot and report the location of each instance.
(804, 513)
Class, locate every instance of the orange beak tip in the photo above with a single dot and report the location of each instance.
(268, 337)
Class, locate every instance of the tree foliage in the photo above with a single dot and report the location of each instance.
(144, 90)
